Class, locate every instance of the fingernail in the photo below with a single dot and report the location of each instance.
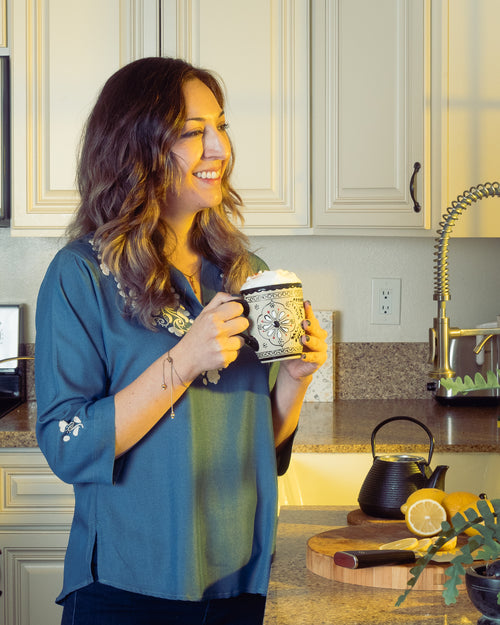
(307, 338)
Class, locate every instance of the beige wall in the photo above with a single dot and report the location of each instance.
(336, 272)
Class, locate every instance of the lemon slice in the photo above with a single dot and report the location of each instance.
(445, 556)
(402, 543)
(424, 517)
(423, 544)
(450, 545)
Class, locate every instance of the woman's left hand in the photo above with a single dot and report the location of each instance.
(314, 341)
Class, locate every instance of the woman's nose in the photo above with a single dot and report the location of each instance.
(216, 145)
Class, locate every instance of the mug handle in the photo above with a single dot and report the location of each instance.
(249, 340)
(244, 303)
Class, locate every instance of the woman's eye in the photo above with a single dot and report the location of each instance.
(223, 127)
(191, 133)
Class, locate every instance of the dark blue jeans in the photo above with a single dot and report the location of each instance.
(98, 604)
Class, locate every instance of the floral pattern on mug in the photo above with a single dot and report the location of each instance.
(275, 323)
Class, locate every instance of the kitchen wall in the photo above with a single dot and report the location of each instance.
(336, 272)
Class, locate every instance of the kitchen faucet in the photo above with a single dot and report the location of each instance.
(441, 333)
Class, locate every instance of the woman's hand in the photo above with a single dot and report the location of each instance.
(314, 341)
(210, 343)
(213, 341)
(294, 377)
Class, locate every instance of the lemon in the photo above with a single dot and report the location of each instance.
(424, 517)
(470, 531)
(402, 543)
(424, 493)
(457, 501)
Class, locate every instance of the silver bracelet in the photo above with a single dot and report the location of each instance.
(164, 384)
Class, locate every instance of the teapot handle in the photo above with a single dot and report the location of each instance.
(429, 433)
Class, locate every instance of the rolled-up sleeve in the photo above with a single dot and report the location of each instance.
(75, 411)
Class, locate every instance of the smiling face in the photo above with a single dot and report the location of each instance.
(202, 152)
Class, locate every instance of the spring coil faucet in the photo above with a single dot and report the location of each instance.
(441, 333)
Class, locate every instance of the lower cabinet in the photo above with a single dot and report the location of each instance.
(36, 510)
(32, 571)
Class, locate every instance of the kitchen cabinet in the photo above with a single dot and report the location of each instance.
(369, 114)
(469, 119)
(329, 112)
(4, 43)
(36, 510)
(261, 50)
(62, 51)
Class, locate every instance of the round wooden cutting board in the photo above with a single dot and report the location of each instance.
(358, 517)
(322, 547)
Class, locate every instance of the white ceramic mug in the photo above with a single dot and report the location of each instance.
(275, 313)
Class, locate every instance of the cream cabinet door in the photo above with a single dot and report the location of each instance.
(368, 110)
(36, 510)
(4, 42)
(33, 566)
(261, 50)
(470, 108)
(62, 51)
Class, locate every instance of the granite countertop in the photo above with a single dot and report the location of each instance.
(299, 597)
(345, 426)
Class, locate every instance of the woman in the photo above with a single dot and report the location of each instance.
(150, 403)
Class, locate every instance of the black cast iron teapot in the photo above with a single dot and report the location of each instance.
(394, 477)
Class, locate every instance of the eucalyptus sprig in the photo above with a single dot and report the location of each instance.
(484, 546)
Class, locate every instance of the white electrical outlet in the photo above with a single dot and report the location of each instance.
(386, 301)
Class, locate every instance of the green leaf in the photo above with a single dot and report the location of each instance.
(484, 545)
(457, 385)
(450, 592)
(485, 512)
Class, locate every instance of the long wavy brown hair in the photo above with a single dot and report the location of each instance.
(125, 168)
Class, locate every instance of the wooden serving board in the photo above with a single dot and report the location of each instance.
(358, 517)
(322, 547)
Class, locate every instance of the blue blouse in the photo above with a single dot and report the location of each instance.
(190, 511)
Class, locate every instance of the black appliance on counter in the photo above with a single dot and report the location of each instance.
(11, 392)
(12, 378)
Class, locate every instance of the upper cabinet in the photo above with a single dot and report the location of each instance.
(370, 90)
(62, 51)
(469, 115)
(4, 42)
(330, 104)
(261, 50)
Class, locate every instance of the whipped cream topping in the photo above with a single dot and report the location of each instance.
(271, 277)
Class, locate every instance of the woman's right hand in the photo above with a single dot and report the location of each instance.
(213, 341)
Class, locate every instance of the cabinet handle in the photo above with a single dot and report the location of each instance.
(416, 205)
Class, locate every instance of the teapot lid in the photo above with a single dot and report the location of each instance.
(401, 458)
